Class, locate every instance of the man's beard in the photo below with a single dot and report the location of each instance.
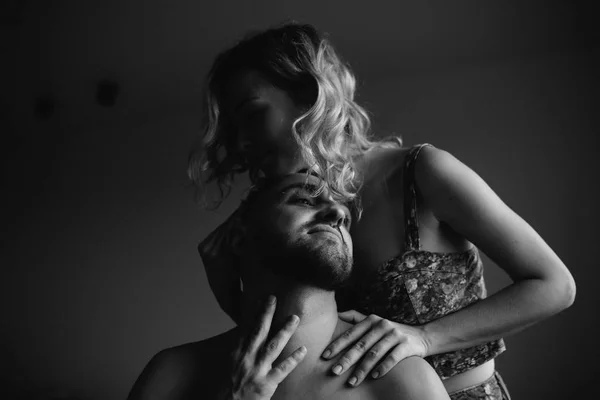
(324, 264)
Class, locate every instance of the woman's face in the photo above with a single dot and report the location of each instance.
(262, 115)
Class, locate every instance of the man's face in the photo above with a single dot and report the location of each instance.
(302, 236)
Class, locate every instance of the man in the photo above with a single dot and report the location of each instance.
(296, 250)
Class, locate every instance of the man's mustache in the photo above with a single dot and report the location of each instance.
(314, 227)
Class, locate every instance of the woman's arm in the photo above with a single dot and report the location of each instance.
(220, 263)
(224, 281)
(542, 285)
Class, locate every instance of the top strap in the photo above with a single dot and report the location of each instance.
(411, 221)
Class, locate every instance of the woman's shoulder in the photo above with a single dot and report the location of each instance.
(381, 161)
(425, 162)
(386, 163)
(385, 155)
(436, 169)
(431, 169)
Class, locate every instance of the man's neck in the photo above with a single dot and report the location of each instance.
(315, 307)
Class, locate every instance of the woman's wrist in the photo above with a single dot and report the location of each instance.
(429, 338)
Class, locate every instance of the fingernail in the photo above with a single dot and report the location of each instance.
(326, 353)
(337, 369)
(294, 319)
(352, 381)
(375, 374)
(271, 299)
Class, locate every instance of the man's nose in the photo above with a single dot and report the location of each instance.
(336, 215)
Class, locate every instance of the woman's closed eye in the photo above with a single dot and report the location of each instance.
(252, 116)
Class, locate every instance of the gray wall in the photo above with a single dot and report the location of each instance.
(100, 269)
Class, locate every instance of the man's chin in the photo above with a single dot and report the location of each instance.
(324, 273)
(331, 271)
(325, 263)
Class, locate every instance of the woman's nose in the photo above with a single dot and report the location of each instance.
(244, 147)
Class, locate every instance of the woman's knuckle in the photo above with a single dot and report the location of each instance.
(373, 353)
(245, 365)
(259, 387)
(394, 358)
(272, 346)
(359, 373)
(345, 361)
(284, 366)
(360, 345)
(383, 369)
(386, 324)
(250, 372)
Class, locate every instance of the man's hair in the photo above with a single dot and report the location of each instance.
(331, 133)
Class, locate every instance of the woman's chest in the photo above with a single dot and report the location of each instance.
(418, 286)
(379, 233)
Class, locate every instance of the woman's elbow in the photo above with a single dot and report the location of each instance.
(570, 291)
(564, 290)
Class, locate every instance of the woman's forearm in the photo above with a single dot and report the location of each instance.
(460, 199)
(510, 310)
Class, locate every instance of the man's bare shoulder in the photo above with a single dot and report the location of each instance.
(179, 371)
(216, 345)
(412, 378)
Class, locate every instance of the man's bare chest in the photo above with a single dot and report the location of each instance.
(323, 387)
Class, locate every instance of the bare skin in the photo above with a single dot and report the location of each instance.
(456, 210)
(203, 370)
(455, 204)
(275, 352)
(382, 196)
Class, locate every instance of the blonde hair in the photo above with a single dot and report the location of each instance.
(331, 134)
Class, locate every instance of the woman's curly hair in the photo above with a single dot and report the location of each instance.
(334, 130)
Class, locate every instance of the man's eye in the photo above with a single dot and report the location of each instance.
(304, 201)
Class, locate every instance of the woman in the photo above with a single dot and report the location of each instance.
(282, 101)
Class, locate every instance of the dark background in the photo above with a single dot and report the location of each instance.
(99, 226)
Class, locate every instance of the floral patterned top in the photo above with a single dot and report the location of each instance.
(420, 286)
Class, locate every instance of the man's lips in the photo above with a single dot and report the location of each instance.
(326, 229)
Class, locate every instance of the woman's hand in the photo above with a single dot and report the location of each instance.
(254, 377)
(375, 340)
